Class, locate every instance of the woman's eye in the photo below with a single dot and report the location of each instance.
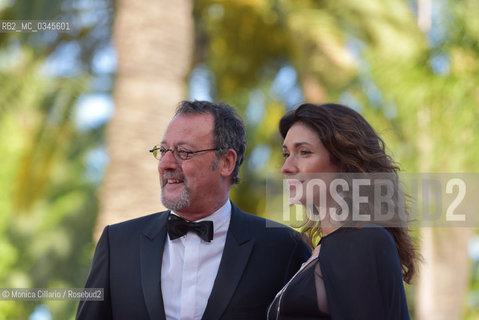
(305, 152)
(285, 155)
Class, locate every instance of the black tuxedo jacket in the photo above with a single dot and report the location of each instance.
(259, 257)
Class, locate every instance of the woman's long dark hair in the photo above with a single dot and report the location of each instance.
(354, 147)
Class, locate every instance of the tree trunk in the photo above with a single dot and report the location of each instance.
(444, 273)
(443, 279)
(154, 43)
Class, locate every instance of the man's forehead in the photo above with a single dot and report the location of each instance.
(187, 128)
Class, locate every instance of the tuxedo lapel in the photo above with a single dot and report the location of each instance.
(237, 250)
(152, 243)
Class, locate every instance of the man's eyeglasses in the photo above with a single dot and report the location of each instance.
(179, 154)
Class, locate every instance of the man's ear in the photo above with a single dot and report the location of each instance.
(227, 163)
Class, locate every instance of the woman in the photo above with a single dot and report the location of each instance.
(358, 267)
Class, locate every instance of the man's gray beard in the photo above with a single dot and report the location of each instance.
(178, 204)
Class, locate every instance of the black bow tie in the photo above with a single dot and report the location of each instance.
(178, 227)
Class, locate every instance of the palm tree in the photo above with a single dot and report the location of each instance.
(154, 43)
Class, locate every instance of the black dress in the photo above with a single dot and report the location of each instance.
(357, 275)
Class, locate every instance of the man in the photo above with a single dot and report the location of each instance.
(204, 258)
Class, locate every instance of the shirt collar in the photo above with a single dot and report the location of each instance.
(220, 217)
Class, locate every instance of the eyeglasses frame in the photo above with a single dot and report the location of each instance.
(175, 153)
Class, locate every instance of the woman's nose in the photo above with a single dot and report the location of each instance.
(289, 166)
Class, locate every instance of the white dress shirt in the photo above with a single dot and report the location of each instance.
(190, 266)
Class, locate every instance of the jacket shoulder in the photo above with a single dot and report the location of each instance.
(370, 237)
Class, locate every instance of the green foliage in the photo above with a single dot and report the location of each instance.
(48, 206)
(249, 33)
